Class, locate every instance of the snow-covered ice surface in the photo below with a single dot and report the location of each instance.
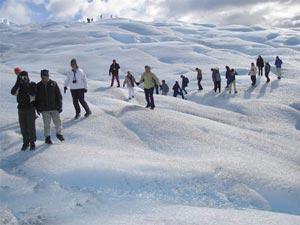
(213, 159)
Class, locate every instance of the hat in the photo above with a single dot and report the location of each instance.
(18, 70)
(44, 73)
(73, 61)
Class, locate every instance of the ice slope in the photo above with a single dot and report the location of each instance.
(213, 159)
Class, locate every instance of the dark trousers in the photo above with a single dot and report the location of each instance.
(116, 76)
(149, 97)
(178, 93)
(260, 71)
(199, 84)
(253, 78)
(78, 96)
(217, 85)
(157, 89)
(267, 76)
(27, 124)
(183, 89)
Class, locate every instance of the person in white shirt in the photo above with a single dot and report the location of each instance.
(252, 73)
(76, 80)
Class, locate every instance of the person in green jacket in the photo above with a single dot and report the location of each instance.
(150, 80)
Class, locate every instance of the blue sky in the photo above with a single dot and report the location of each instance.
(269, 12)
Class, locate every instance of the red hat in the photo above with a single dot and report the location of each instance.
(18, 70)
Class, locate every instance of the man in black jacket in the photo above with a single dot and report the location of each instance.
(49, 103)
(260, 65)
(25, 92)
(184, 84)
(114, 71)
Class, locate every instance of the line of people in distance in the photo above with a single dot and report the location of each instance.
(45, 97)
(180, 90)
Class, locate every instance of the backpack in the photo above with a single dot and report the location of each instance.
(186, 80)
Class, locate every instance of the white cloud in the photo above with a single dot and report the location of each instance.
(269, 12)
(15, 11)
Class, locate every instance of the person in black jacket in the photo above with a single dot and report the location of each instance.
(114, 71)
(177, 90)
(49, 103)
(185, 82)
(199, 79)
(260, 65)
(25, 92)
(267, 71)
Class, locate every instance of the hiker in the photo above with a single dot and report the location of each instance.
(199, 79)
(260, 65)
(149, 79)
(114, 72)
(227, 76)
(164, 88)
(278, 63)
(25, 92)
(267, 71)
(177, 90)
(216, 77)
(76, 79)
(48, 101)
(252, 73)
(232, 81)
(184, 84)
(130, 82)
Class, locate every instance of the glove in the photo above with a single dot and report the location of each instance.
(59, 110)
(85, 90)
(137, 83)
(65, 89)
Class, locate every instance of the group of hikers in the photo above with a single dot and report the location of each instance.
(45, 97)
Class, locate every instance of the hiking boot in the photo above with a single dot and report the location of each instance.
(48, 140)
(147, 106)
(25, 146)
(235, 92)
(32, 146)
(60, 137)
(77, 116)
(152, 108)
(87, 114)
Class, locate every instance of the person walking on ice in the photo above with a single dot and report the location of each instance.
(114, 72)
(252, 73)
(199, 79)
(216, 77)
(25, 92)
(267, 71)
(177, 90)
(76, 79)
(232, 81)
(184, 84)
(164, 88)
(149, 79)
(130, 82)
(260, 65)
(227, 76)
(278, 64)
(49, 102)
